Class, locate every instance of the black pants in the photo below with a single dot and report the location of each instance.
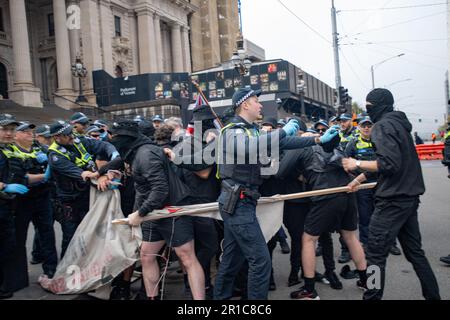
(398, 218)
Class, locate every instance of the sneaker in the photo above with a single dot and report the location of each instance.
(347, 273)
(35, 260)
(293, 279)
(445, 259)
(318, 277)
(361, 285)
(5, 294)
(344, 257)
(120, 293)
(285, 249)
(319, 251)
(303, 294)
(395, 250)
(333, 279)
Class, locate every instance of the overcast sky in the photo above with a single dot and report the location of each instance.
(420, 32)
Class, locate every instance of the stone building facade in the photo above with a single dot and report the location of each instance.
(41, 39)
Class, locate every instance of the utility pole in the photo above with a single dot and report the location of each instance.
(337, 68)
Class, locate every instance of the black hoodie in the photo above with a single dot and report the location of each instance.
(400, 173)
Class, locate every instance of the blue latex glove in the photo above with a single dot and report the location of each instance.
(16, 188)
(329, 134)
(291, 127)
(115, 155)
(114, 186)
(41, 157)
(104, 136)
(47, 174)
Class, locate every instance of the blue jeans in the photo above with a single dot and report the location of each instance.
(365, 201)
(243, 240)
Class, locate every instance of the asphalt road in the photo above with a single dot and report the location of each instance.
(401, 281)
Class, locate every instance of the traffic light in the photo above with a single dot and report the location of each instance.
(343, 96)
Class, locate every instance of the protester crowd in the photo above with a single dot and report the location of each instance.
(46, 173)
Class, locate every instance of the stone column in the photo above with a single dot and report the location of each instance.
(186, 49)
(158, 44)
(90, 37)
(106, 22)
(177, 50)
(134, 41)
(62, 44)
(74, 40)
(23, 92)
(146, 31)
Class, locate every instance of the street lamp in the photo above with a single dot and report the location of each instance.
(240, 59)
(372, 68)
(396, 82)
(79, 71)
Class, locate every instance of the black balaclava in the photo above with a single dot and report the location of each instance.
(123, 144)
(382, 102)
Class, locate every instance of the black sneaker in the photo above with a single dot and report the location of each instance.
(120, 293)
(344, 257)
(395, 250)
(362, 285)
(445, 259)
(5, 294)
(285, 247)
(333, 279)
(303, 294)
(36, 260)
(347, 273)
(318, 277)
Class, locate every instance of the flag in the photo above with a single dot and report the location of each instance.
(200, 101)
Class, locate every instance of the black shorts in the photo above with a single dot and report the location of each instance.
(335, 214)
(174, 231)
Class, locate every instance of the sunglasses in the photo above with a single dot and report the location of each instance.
(95, 135)
(322, 130)
(366, 126)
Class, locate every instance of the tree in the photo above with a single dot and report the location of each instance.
(356, 108)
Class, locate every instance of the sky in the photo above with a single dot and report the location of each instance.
(366, 37)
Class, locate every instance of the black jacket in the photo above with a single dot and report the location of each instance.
(400, 173)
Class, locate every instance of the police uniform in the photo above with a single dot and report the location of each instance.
(243, 238)
(35, 206)
(67, 164)
(363, 150)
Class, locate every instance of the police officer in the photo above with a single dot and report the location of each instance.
(243, 238)
(80, 123)
(21, 168)
(400, 184)
(157, 121)
(12, 183)
(361, 148)
(72, 161)
(43, 138)
(35, 205)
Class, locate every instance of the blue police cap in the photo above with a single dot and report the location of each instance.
(60, 127)
(243, 94)
(157, 118)
(345, 116)
(321, 122)
(365, 120)
(7, 119)
(79, 117)
(25, 126)
(43, 131)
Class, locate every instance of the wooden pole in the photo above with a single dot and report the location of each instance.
(209, 207)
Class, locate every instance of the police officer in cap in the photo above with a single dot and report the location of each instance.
(80, 123)
(72, 161)
(243, 238)
(12, 183)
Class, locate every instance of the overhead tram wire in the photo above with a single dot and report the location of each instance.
(304, 23)
(368, 16)
(353, 71)
(395, 8)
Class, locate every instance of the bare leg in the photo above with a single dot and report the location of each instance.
(355, 248)
(196, 276)
(309, 255)
(150, 267)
